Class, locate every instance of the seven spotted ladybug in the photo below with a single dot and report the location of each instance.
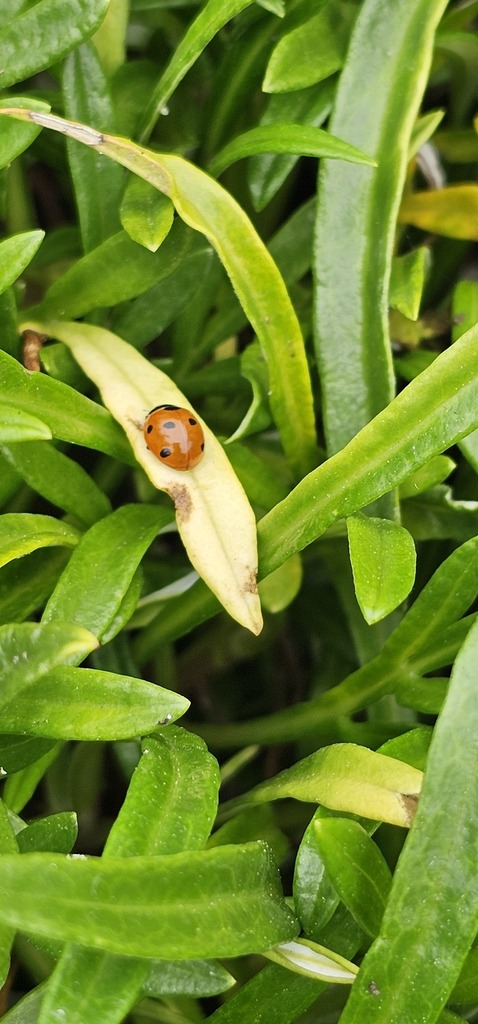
(174, 436)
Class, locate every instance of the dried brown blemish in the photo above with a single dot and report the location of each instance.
(409, 801)
(31, 348)
(250, 586)
(182, 500)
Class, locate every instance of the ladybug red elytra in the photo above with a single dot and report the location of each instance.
(174, 436)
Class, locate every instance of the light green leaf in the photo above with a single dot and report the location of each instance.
(278, 590)
(30, 650)
(424, 128)
(146, 214)
(15, 254)
(15, 138)
(197, 978)
(44, 33)
(223, 902)
(214, 518)
(346, 777)
(96, 581)
(87, 704)
(8, 844)
(407, 281)
(287, 138)
(310, 52)
(357, 869)
(22, 532)
(431, 918)
(55, 832)
(383, 560)
(17, 425)
(59, 480)
(206, 207)
(432, 473)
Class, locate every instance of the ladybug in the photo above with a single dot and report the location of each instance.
(174, 436)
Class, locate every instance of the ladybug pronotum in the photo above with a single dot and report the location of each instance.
(174, 436)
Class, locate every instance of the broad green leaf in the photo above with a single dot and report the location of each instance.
(30, 650)
(71, 703)
(346, 777)
(214, 518)
(383, 560)
(27, 583)
(16, 253)
(223, 902)
(287, 138)
(206, 207)
(22, 532)
(146, 214)
(16, 752)
(44, 33)
(162, 814)
(310, 52)
(15, 138)
(55, 832)
(8, 844)
(116, 270)
(95, 582)
(17, 425)
(407, 281)
(69, 415)
(357, 212)
(357, 869)
(214, 15)
(98, 184)
(431, 918)
(59, 480)
(450, 211)
(196, 978)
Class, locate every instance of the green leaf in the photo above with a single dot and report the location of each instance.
(44, 33)
(214, 518)
(310, 52)
(146, 214)
(450, 211)
(287, 138)
(357, 869)
(94, 583)
(407, 281)
(346, 777)
(223, 902)
(90, 705)
(17, 752)
(98, 184)
(30, 650)
(55, 832)
(197, 978)
(383, 560)
(358, 207)
(19, 788)
(17, 425)
(59, 480)
(206, 207)
(69, 415)
(15, 138)
(431, 474)
(22, 532)
(279, 589)
(432, 915)
(15, 254)
(8, 844)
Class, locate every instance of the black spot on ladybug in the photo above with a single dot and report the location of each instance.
(165, 453)
(192, 421)
(149, 428)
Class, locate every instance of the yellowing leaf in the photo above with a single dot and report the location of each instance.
(451, 211)
(214, 518)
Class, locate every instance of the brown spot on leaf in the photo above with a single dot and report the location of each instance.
(32, 346)
(251, 582)
(409, 802)
(182, 500)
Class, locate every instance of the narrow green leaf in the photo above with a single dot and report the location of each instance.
(223, 902)
(197, 978)
(146, 214)
(358, 207)
(432, 473)
(19, 788)
(310, 52)
(22, 532)
(383, 560)
(287, 138)
(357, 869)
(17, 425)
(407, 281)
(30, 650)
(56, 832)
(15, 254)
(15, 138)
(349, 778)
(8, 844)
(91, 589)
(59, 480)
(424, 128)
(432, 914)
(90, 705)
(450, 211)
(44, 33)
(69, 415)
(98, 184)
(214, 15)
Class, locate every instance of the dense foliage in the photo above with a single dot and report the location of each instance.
(164, 242)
